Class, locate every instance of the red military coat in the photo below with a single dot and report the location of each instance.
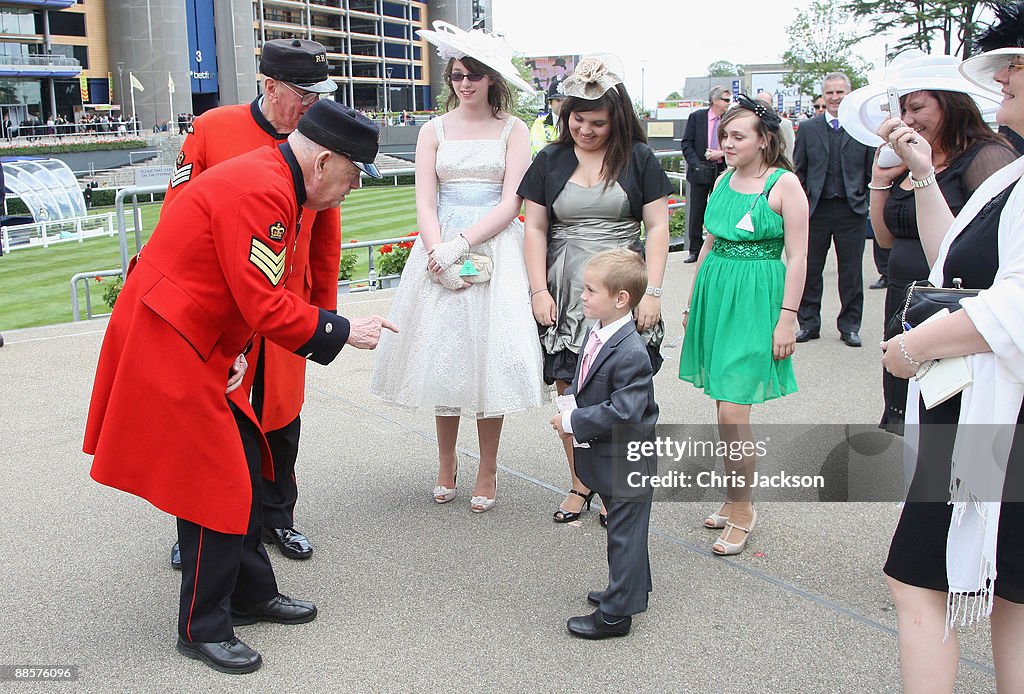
(213, 274)
(224, 133)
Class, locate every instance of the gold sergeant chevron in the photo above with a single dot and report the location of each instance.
(269, 263)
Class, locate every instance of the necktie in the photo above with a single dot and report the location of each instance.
(835, 124)
(593, 344)
(714, 133)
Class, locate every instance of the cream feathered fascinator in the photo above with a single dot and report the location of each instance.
(593, 76)
(492, 51)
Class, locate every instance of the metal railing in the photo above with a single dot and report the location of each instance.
(86, 276)
(46, 233)
(372, 279)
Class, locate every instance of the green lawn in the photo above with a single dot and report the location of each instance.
(35, 283)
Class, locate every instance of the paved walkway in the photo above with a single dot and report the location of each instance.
(419, 597)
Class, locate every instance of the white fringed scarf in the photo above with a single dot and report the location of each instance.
(988, 408)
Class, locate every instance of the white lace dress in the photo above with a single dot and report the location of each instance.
(475, 350)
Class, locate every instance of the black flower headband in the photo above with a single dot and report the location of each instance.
(766, 113)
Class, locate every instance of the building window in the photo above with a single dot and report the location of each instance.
(14, 21)
(67, 23)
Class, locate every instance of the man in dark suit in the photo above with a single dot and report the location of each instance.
(834, 170)
(615, 412)
(705, 160)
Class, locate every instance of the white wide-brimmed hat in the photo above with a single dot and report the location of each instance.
(453, 42)
(982, 68)
(861, 112)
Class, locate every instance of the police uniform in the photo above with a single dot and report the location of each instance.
(277, 379)
(213, 274)
(543, 132)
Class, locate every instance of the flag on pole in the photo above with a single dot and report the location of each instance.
(170, 83)
(136, 84)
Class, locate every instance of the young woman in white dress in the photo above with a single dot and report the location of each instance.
(466, 347)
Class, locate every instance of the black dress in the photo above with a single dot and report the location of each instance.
(917, 554)
(907, 262)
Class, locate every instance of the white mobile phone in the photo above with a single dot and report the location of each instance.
(893, 96)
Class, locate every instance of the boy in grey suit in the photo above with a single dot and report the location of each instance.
(615, 412)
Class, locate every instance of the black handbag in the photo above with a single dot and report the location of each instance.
(925, 300)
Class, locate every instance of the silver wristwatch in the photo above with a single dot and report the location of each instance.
(653, 291)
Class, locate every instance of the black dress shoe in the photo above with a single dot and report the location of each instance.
(852, 339)
(882, 283)
(602, 518)
(290, 541)
(280, 609)
(595, 626)
(176, 557)
(692, 258)
(231, 656)
(805, 335)
(594, 597)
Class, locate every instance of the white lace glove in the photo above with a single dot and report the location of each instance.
(448, 253)
(450, 278)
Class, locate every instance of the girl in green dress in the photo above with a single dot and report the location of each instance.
(741, 320)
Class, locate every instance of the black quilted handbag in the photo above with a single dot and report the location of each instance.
(925, 300)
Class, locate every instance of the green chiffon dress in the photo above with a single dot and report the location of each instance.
(736, 300)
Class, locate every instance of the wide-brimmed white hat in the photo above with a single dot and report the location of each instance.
(982, 68)
(861, 112)
(494, 52)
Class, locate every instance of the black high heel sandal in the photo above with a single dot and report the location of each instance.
(602, 518)
(563, 516)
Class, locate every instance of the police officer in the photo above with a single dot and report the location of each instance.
(168, 422)
(295, 76)
(544, 130)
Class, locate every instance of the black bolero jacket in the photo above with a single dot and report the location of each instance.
(643, 179)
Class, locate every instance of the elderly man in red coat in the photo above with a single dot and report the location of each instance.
(160, 424)
(295, 75)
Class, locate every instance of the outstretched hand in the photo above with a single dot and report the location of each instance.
(364, 333)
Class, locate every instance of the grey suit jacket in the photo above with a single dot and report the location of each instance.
(615, 407)
(811, 161)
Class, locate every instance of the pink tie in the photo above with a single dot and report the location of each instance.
(713, 143)
(593, 344)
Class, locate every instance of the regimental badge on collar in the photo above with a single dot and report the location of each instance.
(276, 231)
(181, 158)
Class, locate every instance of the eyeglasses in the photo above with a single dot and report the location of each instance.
(725, 99)
(1011, 66)
(456, 77)
(305, 98)
(818, 107)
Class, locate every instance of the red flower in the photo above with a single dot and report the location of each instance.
(406, 246)
(522, 218)
(671, 201)
(353, 241)
(386, 248)
(415, 233)
(98, 278)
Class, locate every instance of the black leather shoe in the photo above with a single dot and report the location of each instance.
(692, 258)
(882, 283)
(280, 609)
(594, 597)
(805, 335)
(231, 656)
(602, 518)
(852, 339)
(290, 541)
(176, 557)
(594, 626)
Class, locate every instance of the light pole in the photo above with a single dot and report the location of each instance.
(643, 85)
(387, 76)
(120, 77)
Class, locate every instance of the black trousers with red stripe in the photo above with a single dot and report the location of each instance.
(219, 570)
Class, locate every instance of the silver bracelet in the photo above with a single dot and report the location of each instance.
(924, 182)
(871, 187)
(903, 350)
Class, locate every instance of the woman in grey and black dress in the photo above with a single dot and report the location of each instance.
(589, 192)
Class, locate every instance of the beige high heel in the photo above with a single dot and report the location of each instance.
(716, 521)
(726, 549)
(442, 494)
(483, 504)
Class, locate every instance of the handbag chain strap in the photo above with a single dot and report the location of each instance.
(957, 286)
